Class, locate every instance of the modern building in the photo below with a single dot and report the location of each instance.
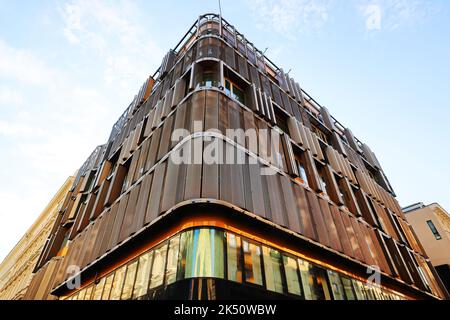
(431, 223)
(16, 270)
(225, 179)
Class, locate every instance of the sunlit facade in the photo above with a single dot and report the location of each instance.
(306, 212)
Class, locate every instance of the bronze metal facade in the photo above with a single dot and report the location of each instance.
(320, 186)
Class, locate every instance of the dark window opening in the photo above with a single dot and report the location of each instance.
(282, 120)
(301, 167)
(434, 230)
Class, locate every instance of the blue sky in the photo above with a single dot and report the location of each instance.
(69, 68)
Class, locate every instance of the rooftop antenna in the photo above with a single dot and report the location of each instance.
(220, 8)
(265, 50)
(289, 71)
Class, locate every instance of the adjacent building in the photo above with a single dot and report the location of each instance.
(225, 179)
(16, 270)
(432, 226)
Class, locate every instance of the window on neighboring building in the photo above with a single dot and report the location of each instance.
(434, 230)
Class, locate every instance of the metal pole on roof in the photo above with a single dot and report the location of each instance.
(220, 8)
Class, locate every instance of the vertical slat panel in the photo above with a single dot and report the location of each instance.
(343, 236)
(331, 227)
(141, 206)
(319, 222)
(153, 207)
(130, 214)
(305, 217)
(153, 152)
(357, 253)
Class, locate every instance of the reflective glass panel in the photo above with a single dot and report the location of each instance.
(272, 269)
(314, 281)
(234, 257)
(204, 254)
(348, 288)
(99, 289)
(127, 291)
(118, 283)
(252, 263)
(159, 261)
(292, 277)
(336, 285)
(143, 275)
(172, 259)
(88, 294)
(108, 286)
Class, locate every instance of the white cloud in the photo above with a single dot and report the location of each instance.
(393, 14)
(63, 115)
(111, 30)
(10, 97)
(22, 66)
(291, 17)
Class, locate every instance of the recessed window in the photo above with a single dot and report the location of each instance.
(322, 136)
(301, 167)
(434, 230)
(272, 269)
(234, 91)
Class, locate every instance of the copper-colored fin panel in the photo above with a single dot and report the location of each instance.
(210, 180)
(357, 253)
(166, 137)
(343, 236)
(153, 206)
(256, 190)
(319, 222)
(153, 152)
(105, 246)
(291, 209)
(194, 149)
(121, 210)
(276, 206)
(141, 205)
(331, 227)
(130, 214)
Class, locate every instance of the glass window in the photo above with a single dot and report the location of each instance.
(118, 283)
(252, 263)
(234, 257)
(159, 262)
(88, 294)
(238, 94)
(272, 269)
(227, 87)
(348, 288)
(292, 278)
(82, 294)
(336, 285)
(301, 168)
(360, 290)
(108, 286)
(143, 275)
(99, 289)
(434, 230)
(127, 291)
(314, 281)
(203, 254)
(172, 259)
(234, 91)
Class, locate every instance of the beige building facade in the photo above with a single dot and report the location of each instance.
(16, 270)
(432, 226)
